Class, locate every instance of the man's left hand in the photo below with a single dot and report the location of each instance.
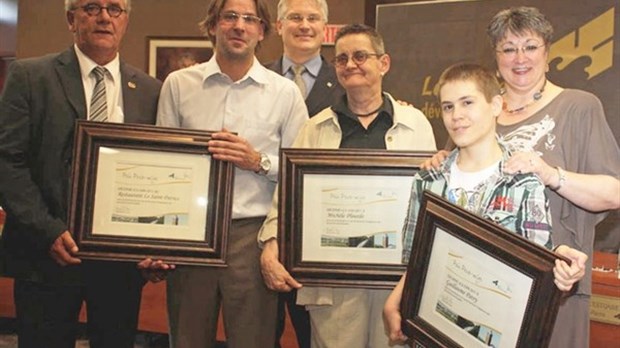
(155, 271)
(229, 147)
(276, 277)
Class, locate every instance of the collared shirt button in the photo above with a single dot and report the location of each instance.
(389, 138)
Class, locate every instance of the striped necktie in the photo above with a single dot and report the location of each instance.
(99, 103)
(299, 81)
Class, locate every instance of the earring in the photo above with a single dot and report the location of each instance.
(499, 77)
(502, 89)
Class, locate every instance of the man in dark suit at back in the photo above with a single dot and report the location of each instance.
(300, 24)
(42, 99)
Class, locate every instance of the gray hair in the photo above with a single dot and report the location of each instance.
(518, 21)
(72, 5)
(283, 8)
(376, 40)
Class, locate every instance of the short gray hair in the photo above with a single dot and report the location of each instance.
(72, 5)
(283, 8)
(518, 21)
(376, 40)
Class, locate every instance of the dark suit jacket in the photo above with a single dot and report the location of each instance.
(325, 91)
(42, 99)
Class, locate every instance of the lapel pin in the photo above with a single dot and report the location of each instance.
(131, 84)
(329, 84)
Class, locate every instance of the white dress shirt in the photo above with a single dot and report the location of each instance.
(262, 107)
(112, 85)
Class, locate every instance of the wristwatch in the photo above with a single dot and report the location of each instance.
(264, 164)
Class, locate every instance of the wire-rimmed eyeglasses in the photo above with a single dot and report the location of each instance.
(233, 17)
(297, 18)
(358, 57)
(511, 51)
(114, 11)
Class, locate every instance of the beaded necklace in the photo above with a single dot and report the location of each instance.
(536, 97)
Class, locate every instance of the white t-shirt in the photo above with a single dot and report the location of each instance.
(464, 188)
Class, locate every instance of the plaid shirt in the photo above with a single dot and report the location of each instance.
(516, 202)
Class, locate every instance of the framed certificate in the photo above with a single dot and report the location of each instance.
(143, 191)
(472, 283)
(341, 215)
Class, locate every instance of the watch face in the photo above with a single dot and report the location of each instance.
(265, 163)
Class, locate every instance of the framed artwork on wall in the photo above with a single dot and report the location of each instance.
(167, 54)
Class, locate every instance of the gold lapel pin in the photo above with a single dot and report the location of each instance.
(131, 84)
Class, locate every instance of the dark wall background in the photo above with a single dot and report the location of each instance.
(43, 28)
(424, 37)
(8, 35)
(8, 27)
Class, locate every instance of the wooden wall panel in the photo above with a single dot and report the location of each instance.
(149, 18)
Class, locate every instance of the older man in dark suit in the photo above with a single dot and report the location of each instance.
(42, 99)
(300, 24)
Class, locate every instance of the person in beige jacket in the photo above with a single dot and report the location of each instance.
(366, 117)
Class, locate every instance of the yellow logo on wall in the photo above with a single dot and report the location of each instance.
(594, 40)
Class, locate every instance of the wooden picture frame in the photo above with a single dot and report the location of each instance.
(471, 282)
(143, 191)
(166, 54)
(325, 238)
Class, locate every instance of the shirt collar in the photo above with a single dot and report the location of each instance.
(444, 168)
(401, 116)
(87, 65)
(256, 73)
(313, 66)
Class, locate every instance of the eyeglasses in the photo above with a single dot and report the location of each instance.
(297, 18)
(358, 57)
(233, 17)
(114, 11)
(511, 52)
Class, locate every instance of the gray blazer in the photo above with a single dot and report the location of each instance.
(42, 99)
(325, 91)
